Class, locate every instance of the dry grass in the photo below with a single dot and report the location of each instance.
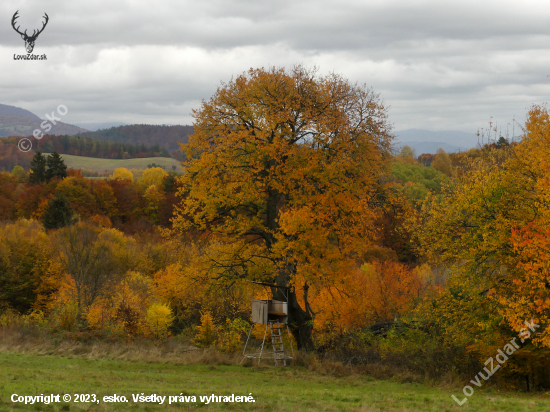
(16, 339)
(182, 352)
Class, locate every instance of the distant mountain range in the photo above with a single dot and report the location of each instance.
(15, 121)
(425, 141)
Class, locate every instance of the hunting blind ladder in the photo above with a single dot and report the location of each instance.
(274, 315)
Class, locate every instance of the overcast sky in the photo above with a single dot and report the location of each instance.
(438, 65)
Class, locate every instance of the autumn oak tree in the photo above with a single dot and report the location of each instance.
(283, 180)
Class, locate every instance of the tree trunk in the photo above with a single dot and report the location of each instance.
(300, 324)
(300, 321)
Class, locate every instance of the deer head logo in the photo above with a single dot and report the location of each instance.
(29, 40)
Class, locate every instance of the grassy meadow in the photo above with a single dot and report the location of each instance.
(109, 165)
(294, 388)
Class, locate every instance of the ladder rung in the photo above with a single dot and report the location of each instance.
(277, 341)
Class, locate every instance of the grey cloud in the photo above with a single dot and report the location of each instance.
(306, 25)
(436, 64)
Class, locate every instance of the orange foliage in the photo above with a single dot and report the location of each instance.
(104, 197)
(101, 221)
(66, 292)
(29, 202)
(380, 291)
(531, 283)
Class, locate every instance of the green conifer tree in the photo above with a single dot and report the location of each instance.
(56, 167)
(38, 169)
(58, 213)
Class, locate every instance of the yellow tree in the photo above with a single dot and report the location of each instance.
(159, 318)
(284, 173)
(467, 229)
(442, 162)
(154, 197)
(123, 174)
(152, 176)
(407, 155)
(27, 275)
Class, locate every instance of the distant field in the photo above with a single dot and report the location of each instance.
(102, 165)
(282, 389)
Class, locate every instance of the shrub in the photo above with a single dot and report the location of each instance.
(9, 317)
(207, 331)
(231, 340)
(159, 317)
(65, 317)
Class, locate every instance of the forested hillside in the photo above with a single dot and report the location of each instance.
(164, 136)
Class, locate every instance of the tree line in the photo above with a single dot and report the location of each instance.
(11, 156)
